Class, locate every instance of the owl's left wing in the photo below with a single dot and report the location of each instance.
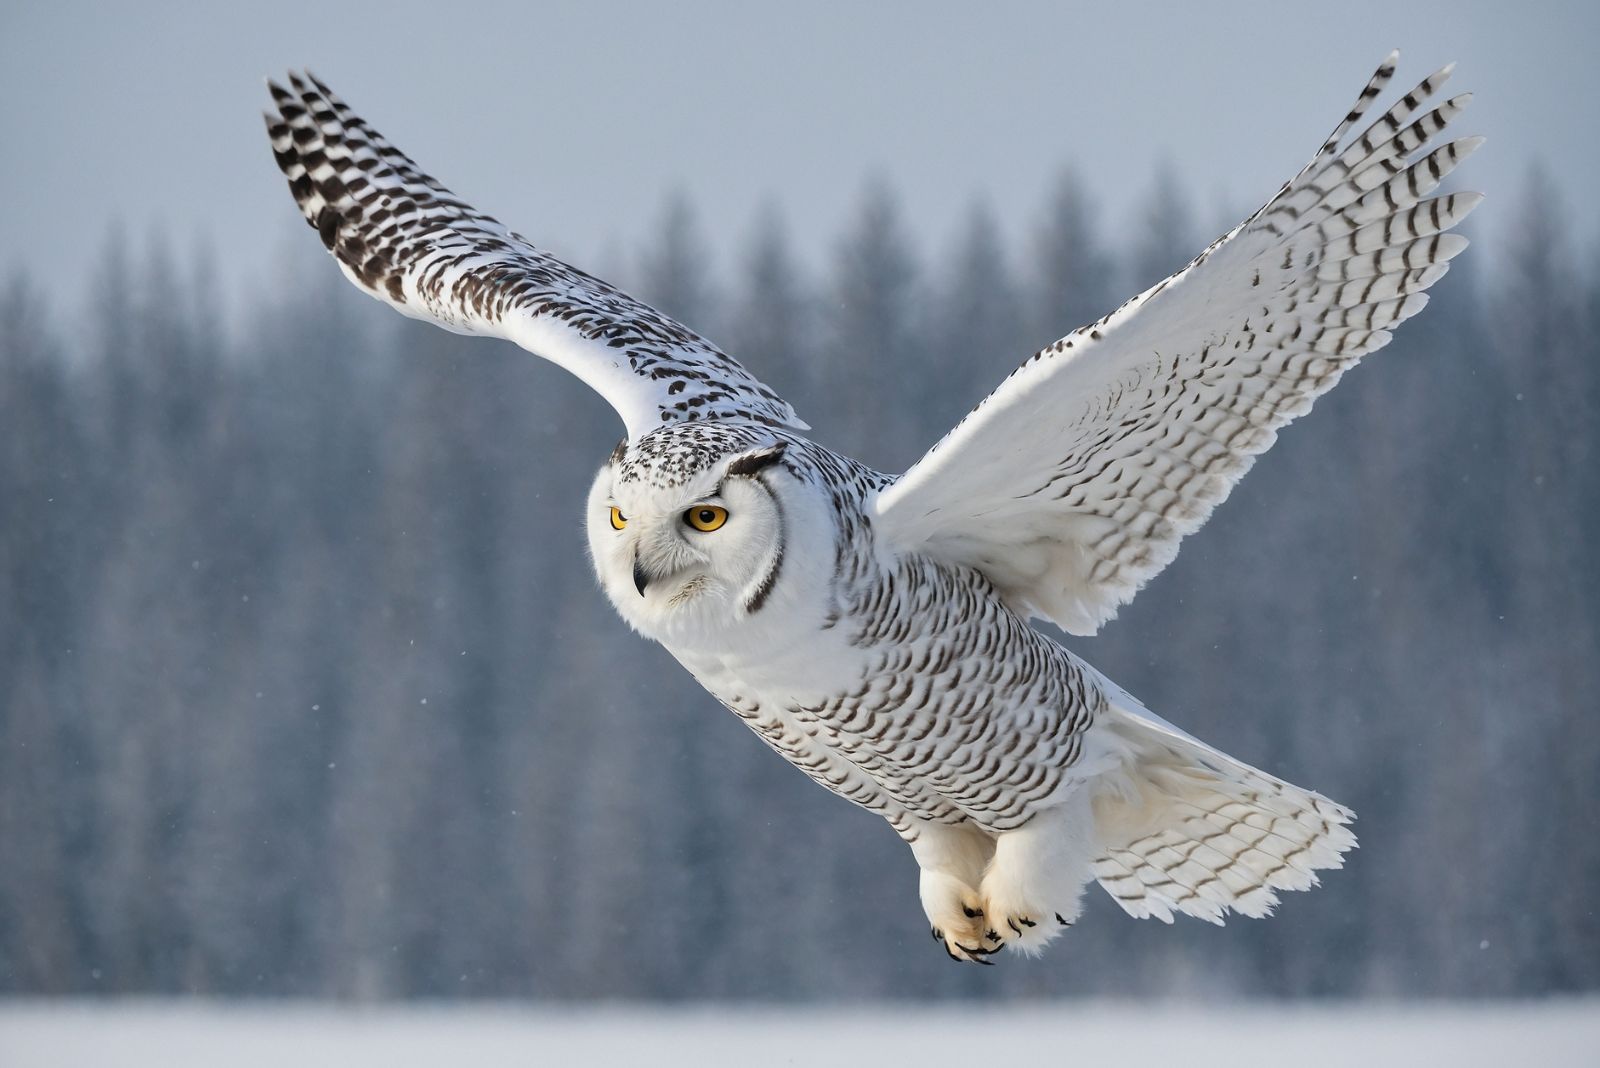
(1072, 484)
(405, 239)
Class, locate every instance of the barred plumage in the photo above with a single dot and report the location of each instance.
(406, 239)
(1164, 404)
(873, 629)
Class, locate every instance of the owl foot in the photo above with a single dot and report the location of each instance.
(1032, 886)
(959, 953)
(1023, 932)
(956, 916)
(952, 858)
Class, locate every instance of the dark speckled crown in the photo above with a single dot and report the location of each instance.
(678, 452)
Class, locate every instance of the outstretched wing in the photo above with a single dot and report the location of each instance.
(407, 240)
(1073, 482)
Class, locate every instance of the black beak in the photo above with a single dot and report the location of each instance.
(640, 579)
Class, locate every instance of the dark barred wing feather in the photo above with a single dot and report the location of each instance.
(404, 238)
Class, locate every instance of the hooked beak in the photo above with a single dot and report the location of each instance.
(640, 579)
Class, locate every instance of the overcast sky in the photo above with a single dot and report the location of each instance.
(571, 121)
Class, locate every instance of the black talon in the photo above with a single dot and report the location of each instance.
(992, 935)
(1015, 928)
(975, 956)
(1062, 922)
(971, 912)
(937, 936)
(1026, 923)
(951, 953)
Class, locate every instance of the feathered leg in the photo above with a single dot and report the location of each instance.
(1033, 888)
(952, 858)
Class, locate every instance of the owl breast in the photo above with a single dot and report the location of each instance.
(920, 697)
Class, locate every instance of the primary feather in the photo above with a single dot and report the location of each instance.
(404, 238)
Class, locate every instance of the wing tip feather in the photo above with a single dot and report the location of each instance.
(1468, 202)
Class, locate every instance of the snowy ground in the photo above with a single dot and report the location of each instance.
(178, 1034)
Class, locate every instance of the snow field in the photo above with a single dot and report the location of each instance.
(177, 1034)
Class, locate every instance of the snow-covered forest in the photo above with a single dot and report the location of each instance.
(306, 688)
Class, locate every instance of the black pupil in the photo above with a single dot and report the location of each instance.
(707, 515)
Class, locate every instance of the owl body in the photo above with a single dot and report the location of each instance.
(874, 629)
(898, 681)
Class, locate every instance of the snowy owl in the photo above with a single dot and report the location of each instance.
(874, 629)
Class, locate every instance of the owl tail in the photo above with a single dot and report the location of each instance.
(1187, 828)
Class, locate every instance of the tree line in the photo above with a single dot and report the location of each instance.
(306, 690)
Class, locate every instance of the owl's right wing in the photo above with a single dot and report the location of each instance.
(407, 240)
(1073, 483)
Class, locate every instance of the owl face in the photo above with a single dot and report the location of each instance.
(690, 556)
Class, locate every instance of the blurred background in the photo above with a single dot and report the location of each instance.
(306, 689)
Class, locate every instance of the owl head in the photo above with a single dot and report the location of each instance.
(692, 532)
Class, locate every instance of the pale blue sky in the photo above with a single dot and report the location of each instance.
(570, 121)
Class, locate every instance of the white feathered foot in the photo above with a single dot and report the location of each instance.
(952, 859)
(1033, 888)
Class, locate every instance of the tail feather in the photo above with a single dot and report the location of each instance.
(1190, 829)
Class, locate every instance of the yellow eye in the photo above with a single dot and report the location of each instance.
(706, 517)
(618, 520)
